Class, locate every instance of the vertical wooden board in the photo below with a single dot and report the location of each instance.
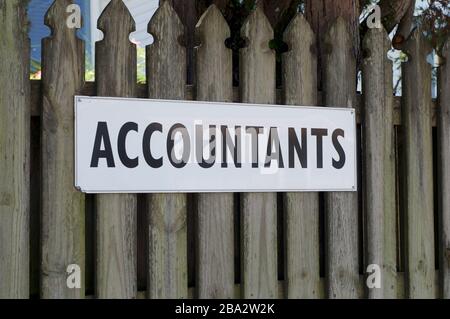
(444, 170)
(341, 225)
(301, 209)
(215, 229)
(63, 208)
(14, 150)
(258, 210)
(166, 69)
(418, 159)
(116, 263)
(390, 266)
(379, 183)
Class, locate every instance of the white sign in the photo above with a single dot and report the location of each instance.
(155, 146)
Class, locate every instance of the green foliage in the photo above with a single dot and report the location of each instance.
(435, 19)
(141, 75)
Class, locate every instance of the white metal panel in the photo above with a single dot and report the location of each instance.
(327, 163)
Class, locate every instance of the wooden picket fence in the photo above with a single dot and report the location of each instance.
(264, 245)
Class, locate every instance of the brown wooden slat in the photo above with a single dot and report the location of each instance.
(167, 273)
(116, 264)
(301, 209)
(418, 161)
(258, 210)
(444, 170)
(379, 165)
(14, 150)
(215, 229)
(341, 209)
(63, 207)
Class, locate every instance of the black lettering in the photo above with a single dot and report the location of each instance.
(171, 144)
(151, 161)
(338, 164)
(235, 148)
(102, 135)
(254, 131)
(212, 146)
(274, 155)
(319, 133)
(121, 145)
(294, 146)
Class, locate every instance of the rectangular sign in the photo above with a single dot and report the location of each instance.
(156, 146)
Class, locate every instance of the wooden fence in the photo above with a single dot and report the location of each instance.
(295, 245)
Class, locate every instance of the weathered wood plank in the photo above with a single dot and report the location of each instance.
(341, 225)
(418, 160)
(215, 229)
(14, 150)
(116, 264)
(281, 285)
(63, 208)
(301, 209)
(258, 210)
(142, 92)
(166, 69)
(444, 171)
(379, 165)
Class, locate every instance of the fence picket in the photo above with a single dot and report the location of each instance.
(444, 170)
(63, 207)
(14, 150)
(301, 209)
(379, 185)
(418, 159)
(215, 229)
(341, 216)
(116, 265)
(166, 69)
(258, 210)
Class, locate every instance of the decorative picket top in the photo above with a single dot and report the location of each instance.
(166, 77)
(418, 174)
(379, 162)
(341, 209)
(257, 59)
(63, 207)
(56, 18)
(166, 57)
(115, 54)
(116, 265)
(300, 63)
(215, 228)
(116, 21)
(214, 59)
